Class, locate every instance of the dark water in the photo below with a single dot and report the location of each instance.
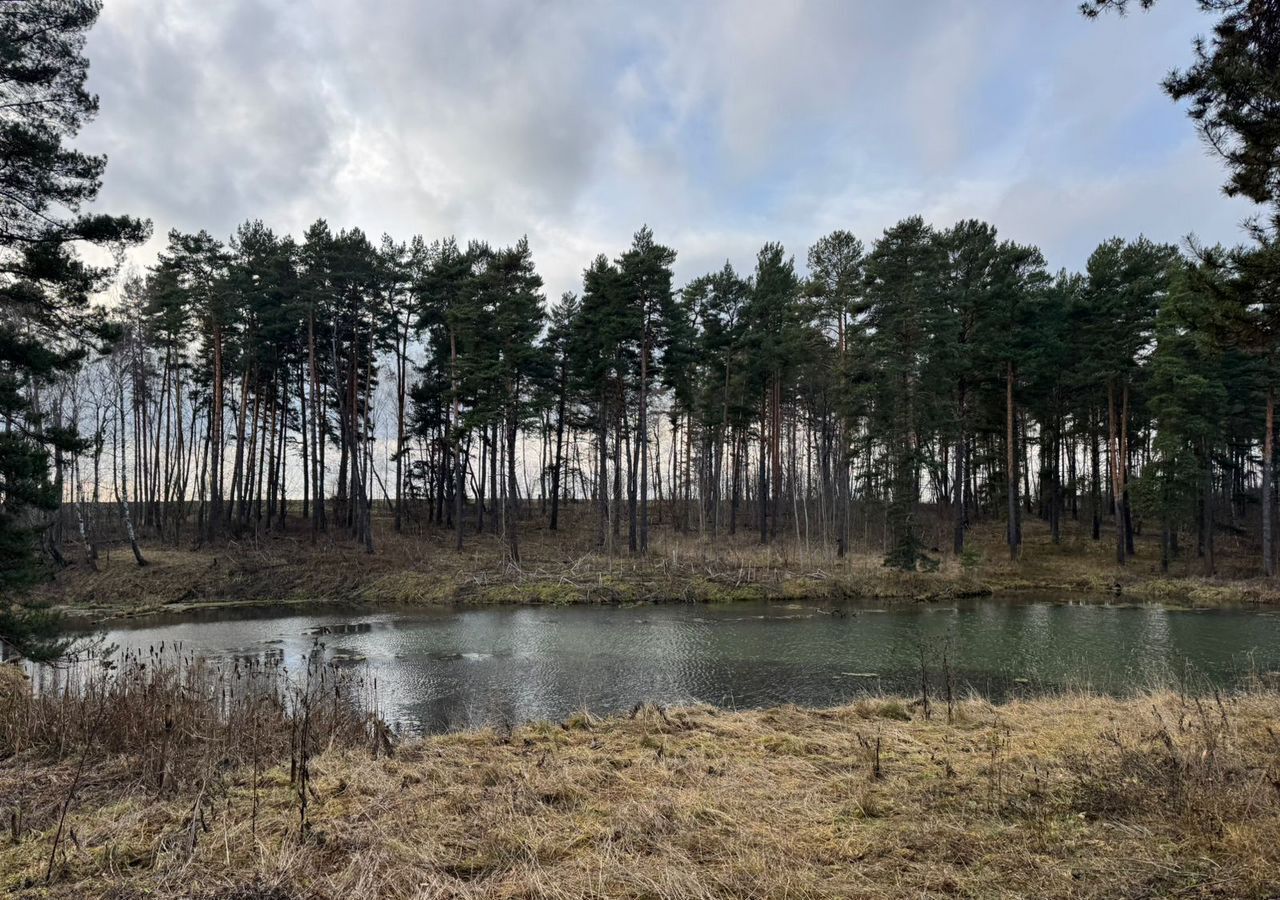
(442, 669)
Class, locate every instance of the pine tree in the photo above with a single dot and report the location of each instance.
(904, 274)
(1188, 394)
(1009, 334)
(716, 304)
(969, 293)
(557, 348)
(1046, 369)
(198, 264)
(1126, 283)
(1250, 326)
(401, 267)
(774, 337)
(644, 282)
(355, 335)
(837, 281)
(46, 324)
(510, 306)
(597, 343)
(315, 299)
(440, 290)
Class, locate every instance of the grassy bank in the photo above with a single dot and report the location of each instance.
(1074, 796)
(565, 568)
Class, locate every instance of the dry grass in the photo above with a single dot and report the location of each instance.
(563, 567)
(175, 712)
(1073, 796)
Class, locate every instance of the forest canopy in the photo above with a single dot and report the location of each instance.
(941, 369)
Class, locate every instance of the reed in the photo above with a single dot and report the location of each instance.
(170, 710)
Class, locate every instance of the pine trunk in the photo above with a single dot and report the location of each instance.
(1014, 530)
(510, 519)
(1117, 488)
(459, 464)
(643, 438)
(1268, 472)
(558, 463)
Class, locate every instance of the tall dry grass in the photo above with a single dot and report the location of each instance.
(168, 724)
(170, 710)
(1076, 795)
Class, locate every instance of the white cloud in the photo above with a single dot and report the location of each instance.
(721, 124)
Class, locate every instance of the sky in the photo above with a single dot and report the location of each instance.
(721, 125)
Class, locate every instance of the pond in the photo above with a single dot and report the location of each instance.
(449, 668)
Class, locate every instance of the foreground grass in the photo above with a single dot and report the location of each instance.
(1074, 796)
(563, 567)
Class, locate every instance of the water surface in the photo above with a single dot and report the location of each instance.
(448, 668)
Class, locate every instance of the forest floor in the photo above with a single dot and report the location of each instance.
(1068, 796)
(563, 567)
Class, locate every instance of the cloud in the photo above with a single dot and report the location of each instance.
(721, 124)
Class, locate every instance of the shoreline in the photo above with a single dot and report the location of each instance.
(91, 619)
(184, 583)
(285, 570)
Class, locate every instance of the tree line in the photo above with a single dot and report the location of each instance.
(940, 373)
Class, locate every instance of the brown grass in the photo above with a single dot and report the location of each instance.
(421, 567)
(1073, 796)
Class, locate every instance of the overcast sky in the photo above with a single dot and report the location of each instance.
(720, 124)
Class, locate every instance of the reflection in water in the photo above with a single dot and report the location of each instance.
(443, 669)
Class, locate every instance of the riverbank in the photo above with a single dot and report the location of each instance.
(411, 569)
(1067, 796)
